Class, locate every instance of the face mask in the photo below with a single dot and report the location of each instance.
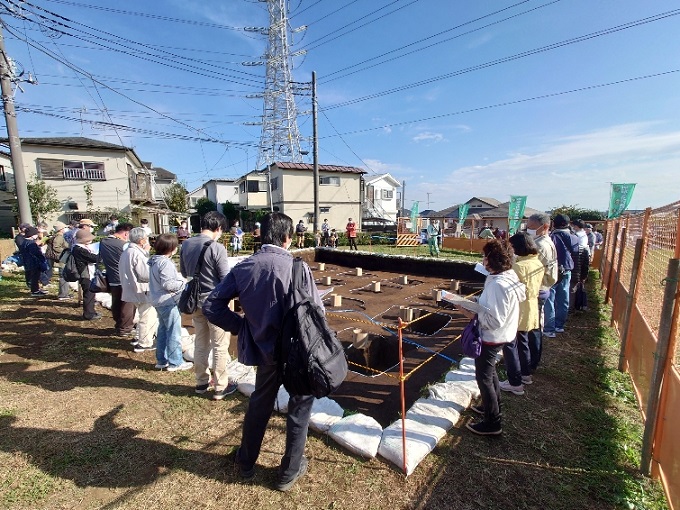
(531, 232)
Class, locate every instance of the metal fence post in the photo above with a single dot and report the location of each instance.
(660, 358)
(630, 301)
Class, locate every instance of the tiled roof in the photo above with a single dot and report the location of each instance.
(491, 201)
(162, 173)
(72, 141)
(285, 165)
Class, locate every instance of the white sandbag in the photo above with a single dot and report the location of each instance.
(246, 384)
(281, 404)
(326, 412)
(188, 345)
(439, 413)
(465, 379)
(467, 365)
(104, 299)
(452, 392)
(358, 433)
(421, 439)
(237, 371)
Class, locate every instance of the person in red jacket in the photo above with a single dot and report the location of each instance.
(351, 229)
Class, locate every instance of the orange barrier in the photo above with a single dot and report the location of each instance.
(639, 267)
(408, 240)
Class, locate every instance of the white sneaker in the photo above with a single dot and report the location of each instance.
(549, 334)
(184, 366)
(506, 386)
(559, 330)
(527, 379)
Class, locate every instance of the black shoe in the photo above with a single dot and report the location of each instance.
(95, 317)
(201, 388)
(245, 474)
(230, 389)
(286, 486)
(477, 409)
(483, 428)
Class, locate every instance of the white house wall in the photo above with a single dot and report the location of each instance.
(389, 205)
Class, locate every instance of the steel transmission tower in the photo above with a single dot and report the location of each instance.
(280, 139)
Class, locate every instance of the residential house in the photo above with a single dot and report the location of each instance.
(222, 190)
(92, 178)
(379, 206)
(7, 197)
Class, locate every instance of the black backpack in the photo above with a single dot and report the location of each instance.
(70, 272)
(310, 357)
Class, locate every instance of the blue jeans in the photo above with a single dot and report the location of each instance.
(557, 305)
(169, 336)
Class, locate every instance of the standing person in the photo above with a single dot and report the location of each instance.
(591, 238)
(85, 260)
(300, 230)
(110, 227)
(35, 262)
(333, 240)
(183, 231)
(325, 231)
(517, 354)
(165, 289)
(134, 281)
(110, 250)
(262, 284)
(70, 232)
(486, 233)
(557, 304)
(236, 239)
(498, 321)
(433, 233)
(55, 247)
(20, 237)
(351, 229)
(538, 226)
(257, 238)
(144, 223)
(214, 268)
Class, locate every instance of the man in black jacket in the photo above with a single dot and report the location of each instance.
(110, 250)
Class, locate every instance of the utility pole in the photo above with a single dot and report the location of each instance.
(315, 154)
(403, 197)
(20, 182)
(428, 200)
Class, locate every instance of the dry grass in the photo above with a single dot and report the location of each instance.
(86, 423)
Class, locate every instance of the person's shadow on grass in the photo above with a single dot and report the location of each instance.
(111, 456)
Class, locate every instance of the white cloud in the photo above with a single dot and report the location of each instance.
(428, 137)
(576, 169)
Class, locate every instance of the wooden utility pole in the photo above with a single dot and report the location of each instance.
(20, 182)
(315, 154)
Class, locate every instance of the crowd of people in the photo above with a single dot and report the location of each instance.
(534, 280)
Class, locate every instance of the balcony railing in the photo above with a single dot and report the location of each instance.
(84, 174)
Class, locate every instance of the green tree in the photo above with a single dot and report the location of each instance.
(205, 205)
(576, 212)
(175, 197)
(88, 195)
(43, 200)
(230, 212)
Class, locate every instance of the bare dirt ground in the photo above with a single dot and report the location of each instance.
(86, 423)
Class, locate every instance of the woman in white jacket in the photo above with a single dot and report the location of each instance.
(134, 279)
(498, 320)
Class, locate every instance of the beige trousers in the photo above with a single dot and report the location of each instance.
(208, 336)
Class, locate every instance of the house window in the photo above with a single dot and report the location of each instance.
(387, 194)
(84, 171)
(329, 181)
(275, 183)
(256, 186)
(324, 210)
(242, 187)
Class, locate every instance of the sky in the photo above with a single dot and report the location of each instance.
(553, 99)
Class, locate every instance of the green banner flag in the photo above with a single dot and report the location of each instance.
(463, 212)
(414, 218)
(619, 199)
(516, 213)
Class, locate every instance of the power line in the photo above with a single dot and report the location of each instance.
(516, 56)
(332, 12)
(346, 144)
(339, 71)
(509, 103)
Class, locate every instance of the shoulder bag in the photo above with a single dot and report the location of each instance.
(188, 301)
(471, 339)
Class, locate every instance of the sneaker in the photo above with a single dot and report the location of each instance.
(477, 409)
(187, 365)
(286, 486)
(527, 379)
(161, 366)
(201, 388)
(142, 348)
(95, 317)
(134, 342)
(39, 293)
(230, 389)
(483, 428)
(517, 390)
(549, 334)
(64, 298)
(245, 474)
(559, 330)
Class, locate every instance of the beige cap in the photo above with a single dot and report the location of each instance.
(58, 225)
(88, 222)
(84, 237)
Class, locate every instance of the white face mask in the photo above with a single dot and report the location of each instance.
(532, 232)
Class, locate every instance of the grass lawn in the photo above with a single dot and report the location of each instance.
(86, 423)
